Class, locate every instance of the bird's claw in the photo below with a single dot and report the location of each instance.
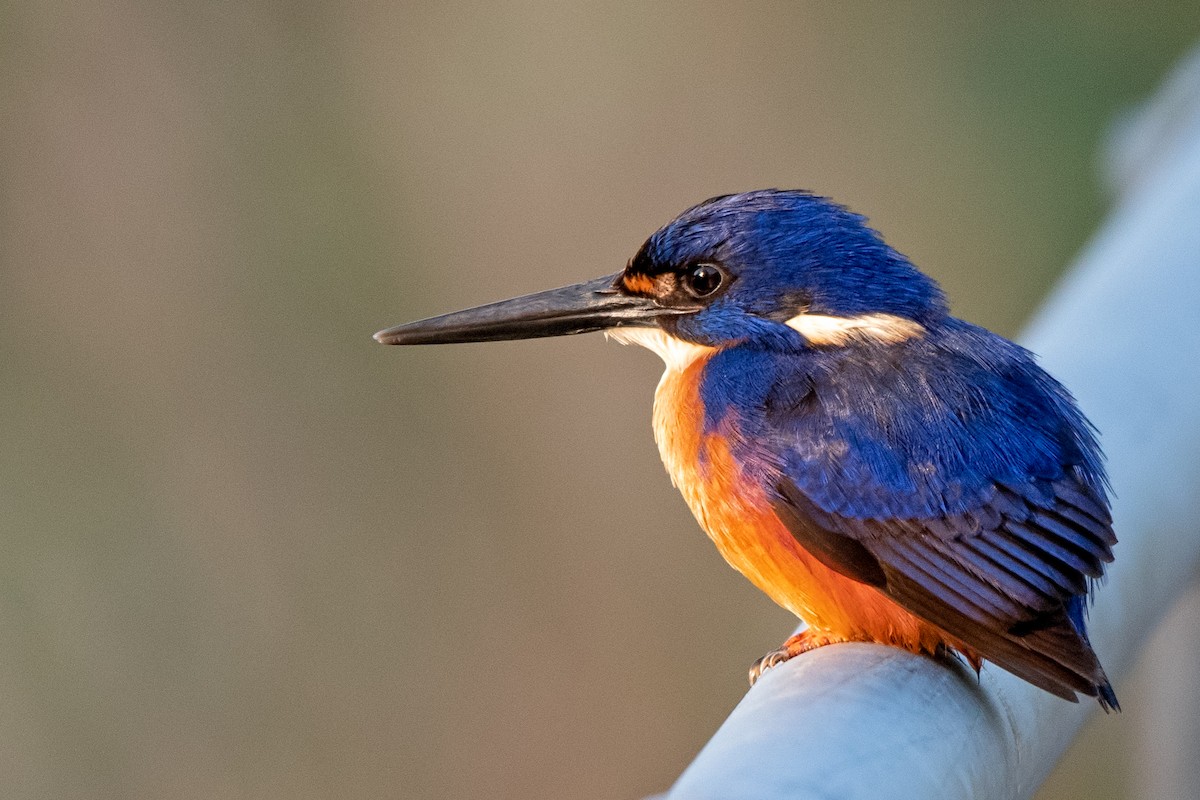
(771, 659)
(802, 642)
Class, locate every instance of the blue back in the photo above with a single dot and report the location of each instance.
(912, 429)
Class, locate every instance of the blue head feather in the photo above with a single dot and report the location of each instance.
(787, 252)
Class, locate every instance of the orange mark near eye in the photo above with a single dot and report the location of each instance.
(641, 284)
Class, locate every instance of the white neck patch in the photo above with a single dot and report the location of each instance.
(676, 353)
(886, 328)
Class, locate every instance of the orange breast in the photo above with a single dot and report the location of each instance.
(737, 515)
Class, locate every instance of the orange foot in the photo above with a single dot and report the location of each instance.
(802, 642)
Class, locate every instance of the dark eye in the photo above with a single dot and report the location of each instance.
(702, 280)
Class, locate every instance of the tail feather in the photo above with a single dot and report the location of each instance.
(1053, 655)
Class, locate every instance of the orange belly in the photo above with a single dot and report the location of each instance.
(737, 515)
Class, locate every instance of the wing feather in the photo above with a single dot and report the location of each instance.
(950, 473)
(999, 577)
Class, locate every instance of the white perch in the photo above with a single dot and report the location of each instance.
(1123, 332)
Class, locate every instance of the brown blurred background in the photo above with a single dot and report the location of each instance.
(248, 553)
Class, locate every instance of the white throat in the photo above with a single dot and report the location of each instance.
(676, 353)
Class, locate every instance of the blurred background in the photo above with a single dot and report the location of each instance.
(249, 553)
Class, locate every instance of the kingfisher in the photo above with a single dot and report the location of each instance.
(886, 471)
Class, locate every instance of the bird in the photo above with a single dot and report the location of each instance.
(884, 470)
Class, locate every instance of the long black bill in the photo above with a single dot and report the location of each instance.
(593, 305)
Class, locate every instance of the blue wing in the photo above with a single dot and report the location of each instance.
(959, 479)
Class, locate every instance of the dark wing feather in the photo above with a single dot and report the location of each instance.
(1001, 577)
(954, 475)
